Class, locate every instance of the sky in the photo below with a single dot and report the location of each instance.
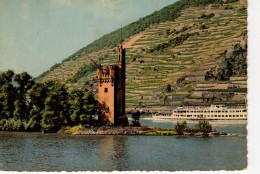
(36, 34)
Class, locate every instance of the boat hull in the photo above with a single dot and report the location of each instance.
(187, 118)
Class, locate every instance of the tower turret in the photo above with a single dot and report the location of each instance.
(111, 90)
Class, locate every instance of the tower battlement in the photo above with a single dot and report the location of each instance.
(104, 74)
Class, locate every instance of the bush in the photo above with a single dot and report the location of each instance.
(173, 42)
(203, 126)
(207, 16)
(84, 71)
(180, 127)
(74, 129)
(231, 1)
(136, 117)
(11, 125)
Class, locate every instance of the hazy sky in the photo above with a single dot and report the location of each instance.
(36, 34)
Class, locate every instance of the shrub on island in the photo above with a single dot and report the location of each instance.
(204, 127)
(181, 127)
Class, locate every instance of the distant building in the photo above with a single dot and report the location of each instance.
(111, 91)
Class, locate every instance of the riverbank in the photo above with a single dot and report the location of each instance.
(130, 130)
(147, 111)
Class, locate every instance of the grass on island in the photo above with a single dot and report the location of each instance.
(203, 128)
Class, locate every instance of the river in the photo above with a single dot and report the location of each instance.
(22, 151)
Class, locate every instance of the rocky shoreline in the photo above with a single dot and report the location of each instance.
(147, 131)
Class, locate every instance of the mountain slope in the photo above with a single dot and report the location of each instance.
(168, 60)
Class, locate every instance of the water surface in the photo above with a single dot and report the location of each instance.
(21, 151)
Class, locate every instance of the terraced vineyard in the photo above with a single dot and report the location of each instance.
(167, 62)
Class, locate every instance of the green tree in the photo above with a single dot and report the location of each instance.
(180, 127)
(36, 98)
(90, 108)
(203, 126)
(24, 83)
(56, 111)
(8, 94)
(83, 107)
(136, 118)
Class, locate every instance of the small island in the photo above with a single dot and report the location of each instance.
(203, 128)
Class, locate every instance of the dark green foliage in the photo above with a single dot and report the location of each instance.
(84, 71)
(167, 32)
(228, 7)
(24, 82)
(11, 125)
(211, 15)
(173, 42)
(30, 106)
(228, 90)
(234, 64)
(7, 94)
(180, 127)
(180, 80)
(56, 109)
(83, 107)
(203, 126)
(169, 88)
(184, 28)
(231, 1)
(243, 9)
(136, 117)
(34, 123)
(203, 27)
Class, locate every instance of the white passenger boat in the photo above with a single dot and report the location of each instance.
(214, 112)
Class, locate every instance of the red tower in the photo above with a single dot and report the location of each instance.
(111, 91)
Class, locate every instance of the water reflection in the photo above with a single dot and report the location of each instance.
(114, 149)
(20, 151)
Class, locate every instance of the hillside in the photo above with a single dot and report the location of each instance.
(193, 54)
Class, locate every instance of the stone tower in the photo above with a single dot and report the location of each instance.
(111, 91)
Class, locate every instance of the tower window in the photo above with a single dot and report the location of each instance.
(106, 90)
